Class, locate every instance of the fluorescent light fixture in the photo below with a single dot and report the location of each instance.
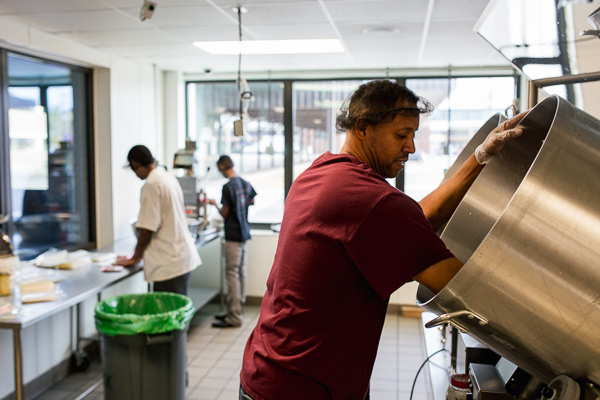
(299, 46)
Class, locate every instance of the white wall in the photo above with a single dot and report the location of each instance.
(133, 122)
(173, 106)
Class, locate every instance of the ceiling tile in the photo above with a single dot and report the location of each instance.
(283, 13)
(198, 33)
(128, 3)
(294, 31)
(35, 21)
(454, 28)
(37, 6)
(458, 8)
(6, 9)
(122, 37)
(377, 11)
(86, 20)
(166, 17)
(406, 30)
(245, 3)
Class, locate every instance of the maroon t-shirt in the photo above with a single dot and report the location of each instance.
(348, 240)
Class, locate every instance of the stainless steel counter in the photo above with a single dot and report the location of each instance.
(79, 285)
(207, 236)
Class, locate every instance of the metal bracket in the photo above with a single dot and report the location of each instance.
(449, 319)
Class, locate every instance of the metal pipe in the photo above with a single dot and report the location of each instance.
(18, 364)
(568, 79)
(454, 349)
(559, 80)
(533, 94)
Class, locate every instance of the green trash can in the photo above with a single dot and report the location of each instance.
(144, 345)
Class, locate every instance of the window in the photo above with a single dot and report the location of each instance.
(316, 106)
(258, 155)
(49, 169)
(462, 106)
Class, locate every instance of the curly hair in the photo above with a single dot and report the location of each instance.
(375, 102)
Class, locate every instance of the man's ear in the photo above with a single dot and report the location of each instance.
(361, 127)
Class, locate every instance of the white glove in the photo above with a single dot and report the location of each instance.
(494, 142)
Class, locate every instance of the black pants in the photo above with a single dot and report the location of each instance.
(179, 284)
(246, 396)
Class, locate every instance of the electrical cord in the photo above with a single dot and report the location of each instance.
(419, 371)
(239, 10)
(243, 88)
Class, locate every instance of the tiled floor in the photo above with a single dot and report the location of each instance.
(214, 362)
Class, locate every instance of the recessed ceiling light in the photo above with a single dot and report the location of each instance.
(380, 30)
(299, 46)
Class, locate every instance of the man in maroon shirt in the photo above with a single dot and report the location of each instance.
(348, 240)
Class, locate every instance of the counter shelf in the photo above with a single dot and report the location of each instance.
(202, 295)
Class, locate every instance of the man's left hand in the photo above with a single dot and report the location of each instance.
(124, 261)
(494, 142)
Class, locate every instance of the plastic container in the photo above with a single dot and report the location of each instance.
(458, 388)
(7, 265)
(144, 345)
(5, 289)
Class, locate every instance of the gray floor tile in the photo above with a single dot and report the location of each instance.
(215, 358)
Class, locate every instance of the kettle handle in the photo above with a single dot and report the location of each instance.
(449, 318)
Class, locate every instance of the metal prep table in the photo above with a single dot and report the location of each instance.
(83, 283)
(79, 285)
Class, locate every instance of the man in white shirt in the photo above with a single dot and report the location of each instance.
(164, 240)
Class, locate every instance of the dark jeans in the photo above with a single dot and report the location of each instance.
(179, 284)
(246, 396)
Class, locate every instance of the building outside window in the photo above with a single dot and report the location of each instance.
(258, 155)
(316, 107)
(462, 106)
(48, 183)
